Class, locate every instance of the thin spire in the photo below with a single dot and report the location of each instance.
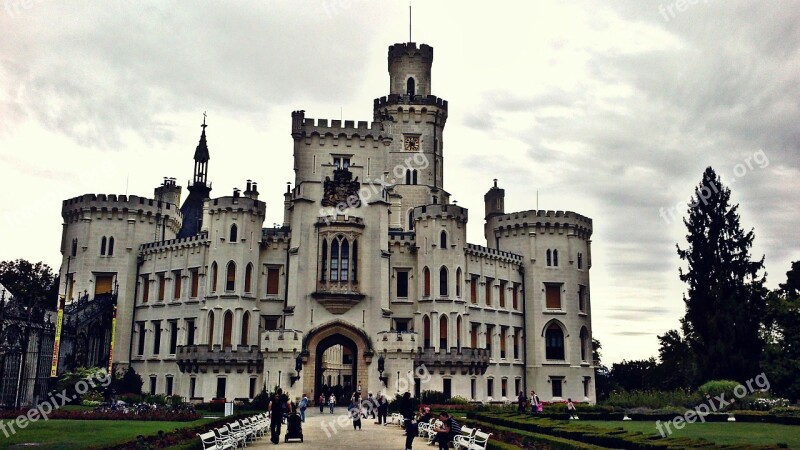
(409, 21)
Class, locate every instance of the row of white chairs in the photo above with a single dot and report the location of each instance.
(471, 439)
(235, 434)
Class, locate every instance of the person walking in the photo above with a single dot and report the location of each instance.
(302, 406)
(536, 404)
(321, 403)
(332, 402)
(355, 413)
(372, 405)
(277, 407)
(406, 410)
(573, 413)
(383, 410)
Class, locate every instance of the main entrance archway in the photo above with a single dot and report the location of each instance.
(336, 367)
(353, 347)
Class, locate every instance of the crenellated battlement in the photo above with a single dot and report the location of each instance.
(547, 219)
(403, 238)
(275, 234)
(303, 127)
(411, 100)
(174, 244)
(113, 203)
(486, 252)
(411, 50)
(237, 203)
(441, 212)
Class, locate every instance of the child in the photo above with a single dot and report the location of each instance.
(573, 413)
(355, 413)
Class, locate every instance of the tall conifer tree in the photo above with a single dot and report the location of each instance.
(725, 293)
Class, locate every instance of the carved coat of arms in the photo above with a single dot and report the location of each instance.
(343, 189)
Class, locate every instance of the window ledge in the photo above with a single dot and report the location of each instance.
(191, 302)
(272, 298)
(403, 301)
(228, 295)
(248, 296)
(143, 305)
(557, 312)
(555, 363)
(158, 305)
(174, 303)
(583, 314)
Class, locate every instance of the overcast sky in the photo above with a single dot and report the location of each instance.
(611, 110)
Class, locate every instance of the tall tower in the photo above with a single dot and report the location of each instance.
(199, 189)
(416, 119)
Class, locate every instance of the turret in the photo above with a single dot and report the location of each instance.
(410, 69)
(199, 189)
(494, 201)
(168, 192)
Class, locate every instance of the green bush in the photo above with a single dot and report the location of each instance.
(458, 401)
(432, 398)
(653, 399)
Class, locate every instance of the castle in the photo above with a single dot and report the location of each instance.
(368, 284)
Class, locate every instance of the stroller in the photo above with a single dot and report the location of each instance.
(294, 428)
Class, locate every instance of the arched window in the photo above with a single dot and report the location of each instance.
(248, 278)
(103, 246)
(324, 270)
(458, 282)
(555, 258)
(230, 278)
(549, 258)
(443, 281)
(408, 177)
(443, 332)
(443, 239)
(227, 329)
(111, 246)
(234, 233)
(245, 328)
(74, 247)
(335, 260)
(344, 270)
(458, 332)
(411, 220)
(426, 331)
(554, 342)
(210, 329)
(410, 90)
(214, 276)
(426, 278)
(584, 343)
(580, 260)
(355, 260)
(414, 176)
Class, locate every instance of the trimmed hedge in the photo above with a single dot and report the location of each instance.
(529, 439)
(614, 438)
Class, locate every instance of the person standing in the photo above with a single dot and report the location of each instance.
(383, 410)
(535, 403)
(332, 402)
(406, 410)
(355, 413)
(321, 403)
(372, 405)
(303, 405)
(277, 407)
(521, 401)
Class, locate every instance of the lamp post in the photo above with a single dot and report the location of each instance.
(381, 368)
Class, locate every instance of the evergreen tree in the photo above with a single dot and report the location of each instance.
(782, 336)
(725, 294)
(676, 363)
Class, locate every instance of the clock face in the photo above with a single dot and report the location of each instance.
(411, 143)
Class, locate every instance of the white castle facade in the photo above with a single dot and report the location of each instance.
(371, 261)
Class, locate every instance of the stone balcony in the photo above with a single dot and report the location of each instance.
(472, 361)
(202, 359)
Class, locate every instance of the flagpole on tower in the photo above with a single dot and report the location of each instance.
(409, 20)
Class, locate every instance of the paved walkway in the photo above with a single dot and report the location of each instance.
(335, 431)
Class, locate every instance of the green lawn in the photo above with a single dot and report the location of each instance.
(719, 432)
(84, 434)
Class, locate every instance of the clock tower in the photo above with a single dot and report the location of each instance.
(416, 119)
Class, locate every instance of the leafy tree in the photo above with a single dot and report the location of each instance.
(31, 284)
(128, 382)
(636, 375)
(725, 297)
(676, 362)
(602, 376)
(782, 335)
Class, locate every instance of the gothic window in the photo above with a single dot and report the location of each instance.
(458, 282)
(411, 220)
(443, 332)
(335, 260)
(324, 260)
(555, 258)
(214, 276)
(339, 259)
(408, 177)
(344, 270)
(414, 176)
(341, 163)
(111, 246)
(245, 328)
(74, 251)
(443, 240)
(549, 258)
(554, 342)
(458, 332)
(354, 262)
(426, 278)
(248, 278)
(227, 329)
(581, 298)
(234, 233)
(410, 88)
(443, 282)
(103, 246)
(210, 328)
(230, 277)
(580, 260)
(584, 343)
(426, 331)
